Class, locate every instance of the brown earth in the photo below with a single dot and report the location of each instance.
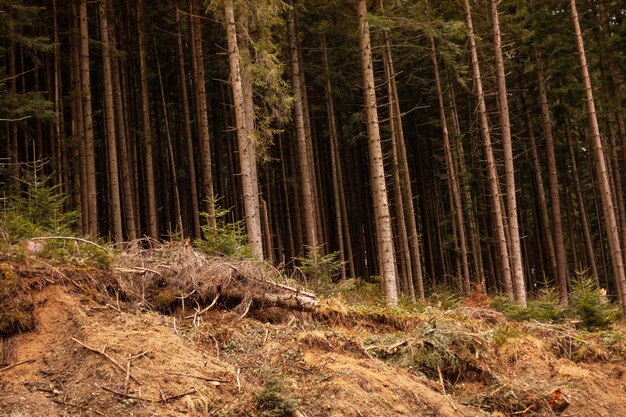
(167, 365)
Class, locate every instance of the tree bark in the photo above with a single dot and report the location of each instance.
(90, 185)
(244, 137)
(517, 271)
(197, 70)
(111, 138)
(606, 195)
(345, 247)
(124, 158)
(150, 185)
(193, 186)
(591, 258)
(557, 227)
(503, 251)
(379, 188)
(170, 152)
(306, 174)
(541, 196)
(455, 189)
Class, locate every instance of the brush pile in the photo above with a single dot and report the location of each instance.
(166, 274)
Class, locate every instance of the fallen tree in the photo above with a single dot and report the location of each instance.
(188, 274)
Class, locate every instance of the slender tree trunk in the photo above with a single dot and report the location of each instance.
(402, 239)
(617, 87)
(407, 206)
(197, 70)
(188, 136)
(336, 171)
(455, 189)
(244, 137)
(90, 185)
(517, 272)
(170, 151)
(150, 185)
(122, 137)
(582, 210)
(79, 177)
(306, 176)
(600, 162)
(503, 251)
(60, 167)
(541, 196)
(557, 228)
(111, 137)
(379, 188)
(469, 204)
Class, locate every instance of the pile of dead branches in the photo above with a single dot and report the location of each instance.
(190, 274)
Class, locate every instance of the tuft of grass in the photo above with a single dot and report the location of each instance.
(274, 401)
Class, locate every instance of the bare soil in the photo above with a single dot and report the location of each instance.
(91, 355)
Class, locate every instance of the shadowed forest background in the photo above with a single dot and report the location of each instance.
(461, 144)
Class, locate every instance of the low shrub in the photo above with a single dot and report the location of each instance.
(274, 401)
(590, 305)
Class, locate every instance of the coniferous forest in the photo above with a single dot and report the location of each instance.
(425, 144)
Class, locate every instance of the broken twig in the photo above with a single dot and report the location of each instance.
(6, 368)
(109, 357)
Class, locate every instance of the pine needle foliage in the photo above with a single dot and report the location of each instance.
(591, 306)
(273, 401)
(37, 210)
(229, 239)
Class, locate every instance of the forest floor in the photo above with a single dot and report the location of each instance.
(93, 351)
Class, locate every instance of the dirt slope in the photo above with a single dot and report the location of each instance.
(169, 366)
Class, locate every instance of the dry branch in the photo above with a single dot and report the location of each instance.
(186, 270)
(75, 239)
(6, 368)
(213, 381)
(163, 399)
(110, 358)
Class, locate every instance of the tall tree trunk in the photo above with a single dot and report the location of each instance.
(150, 185)
(404, 258)
(111, 138)
(197, 70)
(503, 251)
(582, 210)
(188, 136)
(517, 271)
(541, 195)
(617, 86)
(606, 195)
(60, 167)
(417, 278)
(90, 185)
(455, 189)
(345, 247)
(122, 137)
(170, 152)
(469, 203)
(557, 227)
(379, 188)
(305, 174)
(79, 165)
(244, 137)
